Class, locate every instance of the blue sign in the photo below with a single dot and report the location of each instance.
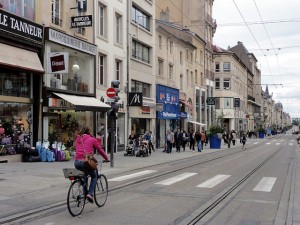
(183, 115)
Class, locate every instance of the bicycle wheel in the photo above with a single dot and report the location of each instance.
(76, 198)
(101, 190)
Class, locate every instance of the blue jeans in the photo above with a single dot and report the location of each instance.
(79, 165)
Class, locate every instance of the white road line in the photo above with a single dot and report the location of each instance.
(213, 181)
(291, 143)
(255, 143)
(176, 179)
(268, 143)
(126, 177)
(265, 184)
(277, 143)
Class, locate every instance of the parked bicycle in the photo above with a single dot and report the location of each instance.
(78, 189)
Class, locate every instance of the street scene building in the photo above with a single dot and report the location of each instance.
(58, 60)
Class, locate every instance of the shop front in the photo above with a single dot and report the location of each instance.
(69, 88)
(169, 116)
(20, 81)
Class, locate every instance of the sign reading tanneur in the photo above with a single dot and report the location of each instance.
(81, 21)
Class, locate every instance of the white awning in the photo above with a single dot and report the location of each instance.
(84, 103)
(197, 123)
(20, 58)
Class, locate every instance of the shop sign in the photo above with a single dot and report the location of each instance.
(81, 21)
(135, 99)
(58, 62)
(145, 110)
(72, 42)
(21, 27)
(211, 100)
(183, 115)
(59, 103)
(167, 115)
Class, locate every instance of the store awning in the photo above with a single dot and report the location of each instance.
(84, 103)
(197, 123)
(20, 58)
(190, 107)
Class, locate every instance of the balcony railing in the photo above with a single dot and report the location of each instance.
(56, 21)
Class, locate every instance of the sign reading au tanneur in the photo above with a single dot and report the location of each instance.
(21, 27)
(81, 21)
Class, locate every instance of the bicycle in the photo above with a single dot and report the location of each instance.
(78, 190)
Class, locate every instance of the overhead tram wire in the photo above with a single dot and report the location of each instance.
(274, 49)
(252, 35)
(295, 20)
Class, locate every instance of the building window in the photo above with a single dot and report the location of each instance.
(226, 83)
(217, 83)
(187, 54)
(217, 103)
(118, 28)
(140, 51)
(159, 42)
(181, 82)
(140, 18)
(170, 71)
(102, 69)
(118, 70)
(171, 47)
(160, 67)
(187, 78)
(56, 12)
(226, 67)
(217, 67)
(196, 77)
(191, 56)
(102, 20)
(228, 103)
(180, 57)
(137, 86)
(192, 78)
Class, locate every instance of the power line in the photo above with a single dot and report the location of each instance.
(259, 22)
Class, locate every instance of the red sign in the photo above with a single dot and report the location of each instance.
(111, 92)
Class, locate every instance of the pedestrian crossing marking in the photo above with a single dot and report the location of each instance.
(138, 174)
(255, 143)
(291, 143)
(277, 143)
(268, 143)
(175, 179)
(213, 181)
(265, 184)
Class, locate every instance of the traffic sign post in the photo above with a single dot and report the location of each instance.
(111, 92)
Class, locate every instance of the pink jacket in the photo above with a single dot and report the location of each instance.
(89, 143)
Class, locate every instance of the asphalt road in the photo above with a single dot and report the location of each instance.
(258, 185)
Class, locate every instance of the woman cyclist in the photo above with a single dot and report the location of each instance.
(85, 144)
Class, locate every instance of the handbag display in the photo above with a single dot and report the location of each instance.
(89, 161)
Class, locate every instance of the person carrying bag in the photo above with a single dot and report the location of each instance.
(84, 160)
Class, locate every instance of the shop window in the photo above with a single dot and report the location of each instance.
(15, 124)
(15, 84)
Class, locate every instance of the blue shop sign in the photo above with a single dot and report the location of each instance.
(183, 115)
(168, 115)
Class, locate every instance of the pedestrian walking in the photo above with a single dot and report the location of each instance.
(185, 138)
(229, 138)
(233, 137)
(170, 141)
(244, 139)
(203, 139)
(192, 140)
(151, 142)
(198, 141)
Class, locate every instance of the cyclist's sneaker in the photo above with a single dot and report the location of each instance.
(90, 198)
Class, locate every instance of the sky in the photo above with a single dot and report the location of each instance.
(270, 29)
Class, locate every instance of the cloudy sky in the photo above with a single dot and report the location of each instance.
(270, 29)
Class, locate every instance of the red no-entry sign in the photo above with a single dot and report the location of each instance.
(111, 92)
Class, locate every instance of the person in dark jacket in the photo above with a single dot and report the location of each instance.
(192, 140)
(198, 140)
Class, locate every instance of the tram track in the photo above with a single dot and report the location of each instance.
(32, 214)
